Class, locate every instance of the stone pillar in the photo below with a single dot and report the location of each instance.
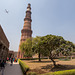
(5, 53)
(1, 51)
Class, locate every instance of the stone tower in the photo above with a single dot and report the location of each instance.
(26, 32)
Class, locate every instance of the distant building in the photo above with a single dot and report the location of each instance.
(4, 45)
(15, 54)
(26, 32)
(12, 54)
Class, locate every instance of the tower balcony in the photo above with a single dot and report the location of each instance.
(26, 31)
(28, 12)
(27, 18)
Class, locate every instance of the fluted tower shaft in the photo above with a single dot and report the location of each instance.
(26, 32)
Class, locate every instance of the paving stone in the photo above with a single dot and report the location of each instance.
(13, 70)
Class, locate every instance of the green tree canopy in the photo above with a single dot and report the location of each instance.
(26, 48)
(37, 46)
(52, 45)
(49, 45)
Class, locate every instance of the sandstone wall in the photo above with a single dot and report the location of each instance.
(4, 45)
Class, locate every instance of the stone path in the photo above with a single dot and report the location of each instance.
(12, 70)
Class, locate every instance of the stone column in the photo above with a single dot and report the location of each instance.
(1, 51)
(5, 53)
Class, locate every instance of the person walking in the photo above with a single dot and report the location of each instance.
(11, 61)
(2, 67)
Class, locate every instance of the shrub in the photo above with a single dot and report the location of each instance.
(65, 72)
(32, 58)
(31, 73)
(24, 67)
(65, 59)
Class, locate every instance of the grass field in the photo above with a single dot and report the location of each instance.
(46, 65)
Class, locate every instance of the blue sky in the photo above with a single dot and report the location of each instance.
(55, 17)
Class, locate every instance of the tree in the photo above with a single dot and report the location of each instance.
(53, 45)
(49, 45)
(36, 46)
(67, 49)
(26, 48)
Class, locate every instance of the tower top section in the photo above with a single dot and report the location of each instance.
(28, 14)
(29, 7)
(29, 4)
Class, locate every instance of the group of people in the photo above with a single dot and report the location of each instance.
(12, 60)
(3, 62)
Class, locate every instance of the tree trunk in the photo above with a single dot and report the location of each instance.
(39, 57)
(71, 57)
(54, 63)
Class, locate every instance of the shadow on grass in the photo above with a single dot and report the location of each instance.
(51, 68)
(58, 67)
(41, 61)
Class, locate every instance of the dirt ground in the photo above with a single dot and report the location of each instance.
(47, 66)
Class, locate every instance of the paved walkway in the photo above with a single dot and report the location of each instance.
(12, 70)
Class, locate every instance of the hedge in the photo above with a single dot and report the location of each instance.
(32, 58)
(65, 72)
(24, 67)
(32, 73)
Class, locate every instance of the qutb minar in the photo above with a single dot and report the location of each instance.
(26, 32)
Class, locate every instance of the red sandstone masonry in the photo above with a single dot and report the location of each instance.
(3, 37)
(26, 32)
